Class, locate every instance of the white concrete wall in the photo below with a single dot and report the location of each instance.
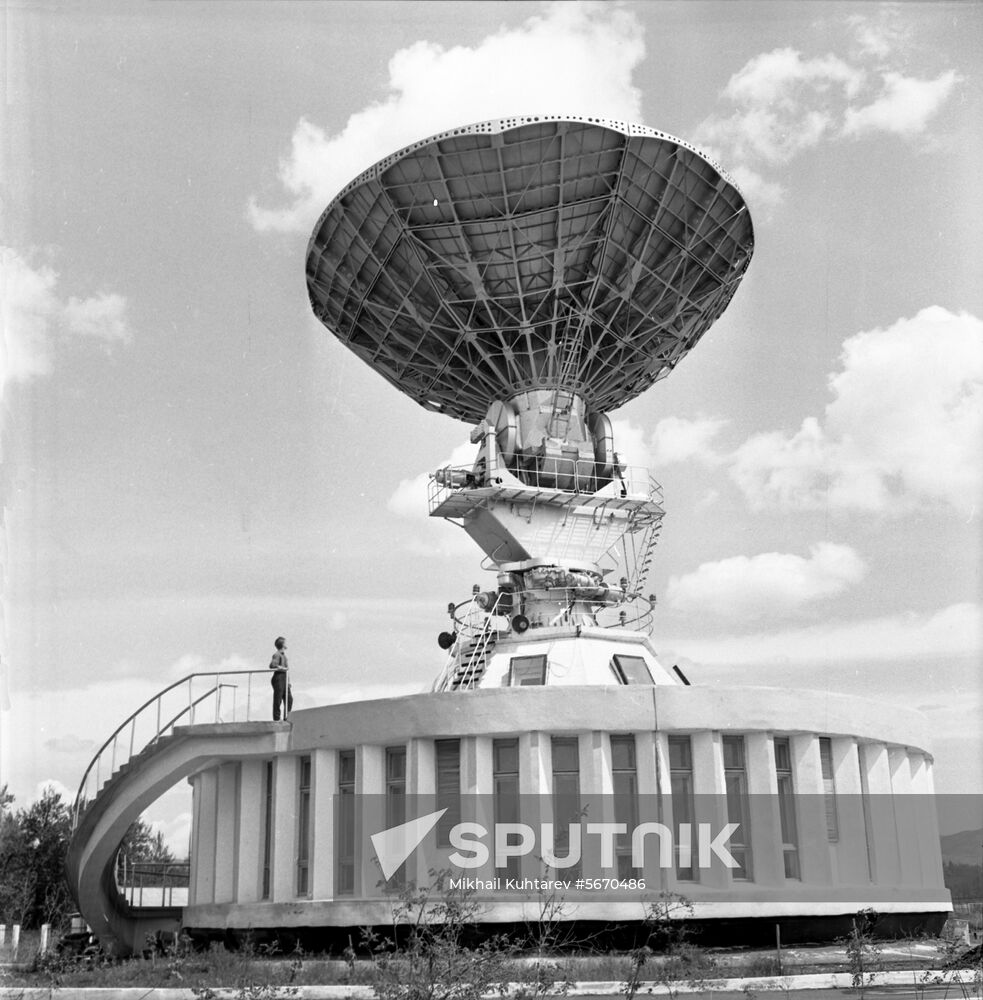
(889, 843)
(570, 662)
(610, 708)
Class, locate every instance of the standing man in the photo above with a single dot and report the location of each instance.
(281, 684)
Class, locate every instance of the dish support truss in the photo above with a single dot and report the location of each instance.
(579, 256)
(553, 516)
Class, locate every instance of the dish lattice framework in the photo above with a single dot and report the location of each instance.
(523, 253)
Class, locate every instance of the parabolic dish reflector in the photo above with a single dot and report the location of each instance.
(528, 253)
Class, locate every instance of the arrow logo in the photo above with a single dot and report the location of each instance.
(395, 845)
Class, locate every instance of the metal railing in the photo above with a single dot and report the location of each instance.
(468, 617)
(481, 642)
(475, 620)
(609, 608)
(216, 696)
(560, 476)
(153, 883)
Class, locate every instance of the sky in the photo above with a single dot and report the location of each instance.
(192, 465)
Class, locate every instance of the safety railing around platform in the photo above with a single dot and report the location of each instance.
(575, 479)
(216, 696)
(598, 606)
(476, 622)
(152, 883)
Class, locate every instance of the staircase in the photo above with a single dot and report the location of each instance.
(474, 659)
(139, 770)
(646, 528)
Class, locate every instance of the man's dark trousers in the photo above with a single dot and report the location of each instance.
(281, 694)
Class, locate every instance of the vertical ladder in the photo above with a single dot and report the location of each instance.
(562, 402)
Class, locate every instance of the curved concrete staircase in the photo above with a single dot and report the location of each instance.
(101, 820)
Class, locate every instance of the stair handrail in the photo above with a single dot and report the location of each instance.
(131, 718)
(189, 708)
(450, 665)
(484, 640)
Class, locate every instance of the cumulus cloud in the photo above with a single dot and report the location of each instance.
(905, 426)
(631, 443)
(101, 316)
(195, 663)
(904, 106)
(672, 440)
(432, 537)
(410, 498)
(783, 102)
(572, 58)
(676, 439)
(176, 833)
(952, 631)
(33, 316)
(772, 119)
(743, 587)
(880, 32)
(53, 785)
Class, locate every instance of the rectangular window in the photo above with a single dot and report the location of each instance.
(566, 794)
(396, 802)
(447, 754)
(735, 787)
(681, 788)
(528, 670)
(505, 791)
(829, 788)
(346, 823)
(786, 806)
(304, 827)
(267, 828)
(631, 670)
(624, 777)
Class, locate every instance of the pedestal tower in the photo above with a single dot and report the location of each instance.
(529, 275)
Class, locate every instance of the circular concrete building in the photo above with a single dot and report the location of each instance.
(529, 275)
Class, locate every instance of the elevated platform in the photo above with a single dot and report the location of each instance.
(285, 814)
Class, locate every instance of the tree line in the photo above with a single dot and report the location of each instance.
(33, 844)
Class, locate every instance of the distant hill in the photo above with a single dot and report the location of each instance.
(965, 848)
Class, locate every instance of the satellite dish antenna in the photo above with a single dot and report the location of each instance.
(529, 275)
(580, 257)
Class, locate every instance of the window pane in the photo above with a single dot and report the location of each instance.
(735, 788)
(566, 754)
(782, 756)
(303, 825)
(566, 792)
(623, 753)
(826, 757)
(528, 670)
(346, 766)
(448, 763)
(632, 670)
(733, 751)
(506, 756)
(681, 790)
(346, 823)
(505, 764)
(680, 756)
(396, 764)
